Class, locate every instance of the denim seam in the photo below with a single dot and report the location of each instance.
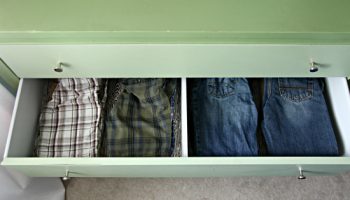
(283, 92)
(214, 93)
(268, 89)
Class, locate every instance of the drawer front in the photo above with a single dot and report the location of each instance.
(18, 153)
(177, 167)
(176, 60)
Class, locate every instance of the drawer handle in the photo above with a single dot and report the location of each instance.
(58, 68)
(301, 174)
(313, 66)
(66, 176)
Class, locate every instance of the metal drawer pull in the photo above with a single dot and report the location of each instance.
(66, 176)
(301, 174)
(58, 67)
(313, 66)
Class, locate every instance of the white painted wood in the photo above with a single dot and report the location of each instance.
(25, 117)
(184, 130)
(176, 60)
(338, 92)
(12, 123)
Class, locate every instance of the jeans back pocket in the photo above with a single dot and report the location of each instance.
(221, 87)
(296, 89)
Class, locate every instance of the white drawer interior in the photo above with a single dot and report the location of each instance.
(339, 104)
(23, 129)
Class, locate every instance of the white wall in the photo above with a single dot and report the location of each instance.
(15, 186)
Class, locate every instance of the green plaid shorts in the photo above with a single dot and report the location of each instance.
(139, 124)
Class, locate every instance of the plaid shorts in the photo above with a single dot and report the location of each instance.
(139, 124)
(70, 119)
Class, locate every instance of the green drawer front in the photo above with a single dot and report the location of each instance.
(178, 167)
(39, 61)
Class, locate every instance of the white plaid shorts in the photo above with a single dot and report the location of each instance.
(69, 124)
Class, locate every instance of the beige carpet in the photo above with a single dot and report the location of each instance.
(256, 188)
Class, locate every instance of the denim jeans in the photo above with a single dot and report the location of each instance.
(224, 117)
(296, 119)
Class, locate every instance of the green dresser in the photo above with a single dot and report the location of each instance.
(173, 38)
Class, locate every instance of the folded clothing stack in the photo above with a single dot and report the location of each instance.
(294, 118)
(113, 117)
(70, 119)
(139, 121)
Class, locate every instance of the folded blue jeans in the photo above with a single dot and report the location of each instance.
(224, 117)
(296, 119)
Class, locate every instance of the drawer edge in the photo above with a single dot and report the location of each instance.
(176, 161)
(176, 167)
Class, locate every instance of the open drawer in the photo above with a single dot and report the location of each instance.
(19, 149)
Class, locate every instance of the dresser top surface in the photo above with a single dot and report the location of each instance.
(175, 21)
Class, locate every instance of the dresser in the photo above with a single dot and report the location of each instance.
(176, 39)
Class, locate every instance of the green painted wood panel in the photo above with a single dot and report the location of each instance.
(175, 60)
(8, 78)
(178, 167)
(175, 21)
